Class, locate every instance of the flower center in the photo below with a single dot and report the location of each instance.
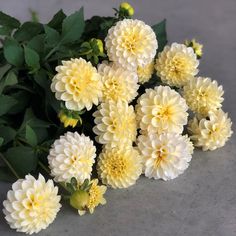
(117, 167)
(161, 155)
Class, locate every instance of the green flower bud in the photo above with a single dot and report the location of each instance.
(127, 8)
(79, 199)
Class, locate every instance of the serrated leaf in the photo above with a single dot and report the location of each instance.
(73, 27)
(7, 103)
(56, 21)
(52, 36)
(23, 159)
(7, 133)
(28, 30)
(8, 21)
(13, 52)
(30, 136)
(160, 31)
(31, 58)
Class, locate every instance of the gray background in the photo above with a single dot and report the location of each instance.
(202, 201)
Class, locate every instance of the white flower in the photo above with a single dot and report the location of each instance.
(118, 83)
(72, 155)
(176, 64)
(161, 109)
(212, 132)
(32, 204)
(131, 43)
(145, 72)
(77, 83)
(165, 156)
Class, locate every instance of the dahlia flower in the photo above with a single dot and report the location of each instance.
(176, 65)
(32, 204)
(72, 155)
(145, 72)
(131, 43)
(161, 109)
(78, 84)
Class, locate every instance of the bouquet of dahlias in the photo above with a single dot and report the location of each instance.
(91, 104)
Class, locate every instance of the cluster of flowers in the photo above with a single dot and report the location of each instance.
(145, 137)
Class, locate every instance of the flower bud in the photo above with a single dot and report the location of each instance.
(68, 118)
(79, 200)
(126, 8)
(197, 47)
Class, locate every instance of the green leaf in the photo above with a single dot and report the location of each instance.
(1, 141)
(8, 21)
(23, 159)
(31, 59)
(56, 21)
(23, 99)
(52, 36)
(37, 43)
(160, 31)
(30, 136)
(13, 52)
(7, 103)
(6, 175)
(7, 133)
(10, 79)
(28, 30)
(73, 27)
(5, 31)
(4, 69)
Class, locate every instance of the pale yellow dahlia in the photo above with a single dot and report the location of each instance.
(212, 132)
(72, 155)
(119, 167)
(164, 156)
(145, 72)
(118, 83)
(176, 64)
(131, 43)
(32, 204)
(203, 95)
(161, 109)
(115, 123)
(78, 84)
(189, 143)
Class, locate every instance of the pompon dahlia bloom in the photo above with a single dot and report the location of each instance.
(164, 156)
(203, 95)
(115, 123)
(145, 72)
(32, 204)
(176, 64)
(131, 43)
(118, 83)
(212, 132)
(78, 84)
(161, 109)
(72, 155)
(119, 167)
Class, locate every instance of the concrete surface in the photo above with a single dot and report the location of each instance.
(203, 200)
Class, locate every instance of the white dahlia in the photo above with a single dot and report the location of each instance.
(161, 109)
(119, 167)
(203, 95)
(72, 155)
(118, 83)
(32, 204)
(131, 43)
(145, 72)
(212, 132)
(164, 156)
(115, 123)
(78, 84)
(176, 64)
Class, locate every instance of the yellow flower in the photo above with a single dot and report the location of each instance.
(68, 120)
(197, 47)
(125, 6)
(119, 167)
(161, 109)
(32, 204)
(131, 43)
(203, 95)
(72, 155)
(118, 83)
(115, 123)
(176, 64)
(96, 193)
(78, 84)
(212, 132)
(145, 72)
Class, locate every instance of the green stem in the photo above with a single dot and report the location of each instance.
(48, 172)
(9, 166)
(51, 52)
